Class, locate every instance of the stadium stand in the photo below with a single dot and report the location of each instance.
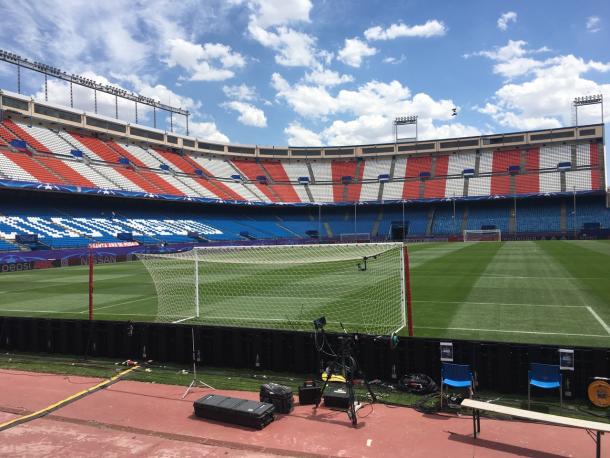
(85, 160)
(522, 186)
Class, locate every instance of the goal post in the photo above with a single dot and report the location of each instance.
(360, 287)
(483, 235)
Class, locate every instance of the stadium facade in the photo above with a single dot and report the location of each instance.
(545, 183)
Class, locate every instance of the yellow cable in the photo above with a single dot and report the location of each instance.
(57, 405)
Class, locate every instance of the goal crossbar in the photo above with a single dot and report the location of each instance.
(482, 235)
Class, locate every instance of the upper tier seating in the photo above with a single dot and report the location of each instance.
(60, 157)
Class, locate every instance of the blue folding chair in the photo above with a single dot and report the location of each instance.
(545, 376)
(457, 376)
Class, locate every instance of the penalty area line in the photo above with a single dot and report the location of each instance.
(599, 319)
(118, 304)
(508, 331)
(502, 303)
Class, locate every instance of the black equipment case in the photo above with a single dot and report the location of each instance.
(242, 412)
(278, 395)
(309, 393)
(336, 396)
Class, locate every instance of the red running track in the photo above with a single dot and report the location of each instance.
(143, 419)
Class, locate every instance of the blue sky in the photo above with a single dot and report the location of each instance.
(304, 72)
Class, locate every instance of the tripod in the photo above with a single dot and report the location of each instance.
(345, 363)
(195, 380)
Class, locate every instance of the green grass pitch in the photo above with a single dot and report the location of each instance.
(552, 292)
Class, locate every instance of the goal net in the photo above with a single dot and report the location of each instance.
(483, 235)
(360, 286)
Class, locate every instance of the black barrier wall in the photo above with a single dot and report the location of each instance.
(498, 366)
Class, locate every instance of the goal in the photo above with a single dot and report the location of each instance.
(483, 235)
(359, 287)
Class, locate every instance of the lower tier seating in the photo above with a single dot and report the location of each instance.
(66, 222)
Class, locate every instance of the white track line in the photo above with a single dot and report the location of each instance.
(599, 318)
(501, 303)
(512, 332)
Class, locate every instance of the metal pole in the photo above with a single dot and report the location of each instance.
(116, 107)
(71, 96)
(95, 100)
(136, 103)
(515, 212)
(154, 117)
(187, 124)
(407, 279)
(46, 89)
(196, 283)
(319, 221)
(403, 221)
(91, 262)
(18, 79)
(576, 106)
(453, 201)
(171, 122)
(416, 130)
(574, 210)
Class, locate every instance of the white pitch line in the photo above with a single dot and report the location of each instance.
(183, 319)
(64, 312)
(599, 319)
(120, 303)
(501, 303)
(512, 332)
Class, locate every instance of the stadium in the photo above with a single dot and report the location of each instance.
(123, 243)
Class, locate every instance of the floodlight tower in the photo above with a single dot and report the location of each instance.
(404, 121)
(597, 99)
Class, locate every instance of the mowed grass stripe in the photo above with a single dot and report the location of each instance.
(528, 258)
(434, 291)
(584, 260)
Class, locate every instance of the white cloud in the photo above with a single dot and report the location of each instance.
(394, 60)
(241, 92)
(505, 18)
(204, 130)
(354, 51)
(374, 97)
(513, 59)
(543, 100)
(293, 48)
(269, 25)
(432, 28)
(248, 114)
(268, 13)
(100, 35)
(298, 135)
(365, 113)
(309, 101)
(204, 62)
(593, 24)
(326, 77)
